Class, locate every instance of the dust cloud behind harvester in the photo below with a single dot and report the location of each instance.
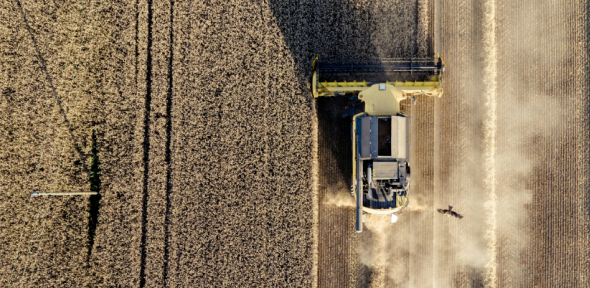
(491, 137)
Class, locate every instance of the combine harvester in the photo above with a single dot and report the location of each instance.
(380, 132)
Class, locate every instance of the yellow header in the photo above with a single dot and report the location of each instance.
(430, 86)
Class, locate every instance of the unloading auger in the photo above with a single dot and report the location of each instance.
(380, 133)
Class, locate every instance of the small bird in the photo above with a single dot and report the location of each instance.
(449, 212)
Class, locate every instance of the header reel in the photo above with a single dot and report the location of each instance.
(413, 76)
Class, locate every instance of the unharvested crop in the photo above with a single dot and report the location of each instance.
(202, 133)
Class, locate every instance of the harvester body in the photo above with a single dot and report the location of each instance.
(380, 133)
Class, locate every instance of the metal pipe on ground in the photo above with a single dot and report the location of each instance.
(359, 197)
(39, 194)
(370, 182)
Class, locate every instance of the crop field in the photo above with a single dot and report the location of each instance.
(216, 167)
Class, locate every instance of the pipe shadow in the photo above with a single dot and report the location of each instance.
(94, 201)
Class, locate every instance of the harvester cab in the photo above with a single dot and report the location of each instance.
(380, 132)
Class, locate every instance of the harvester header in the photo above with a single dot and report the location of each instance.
(422, 76)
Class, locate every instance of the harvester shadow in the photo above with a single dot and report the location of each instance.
(331, 29)
(340, 29)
